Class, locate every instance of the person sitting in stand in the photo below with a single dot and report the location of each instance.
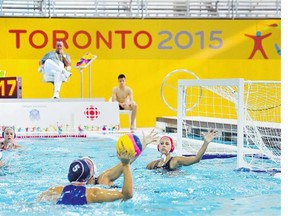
(55, 66)
(124, 96)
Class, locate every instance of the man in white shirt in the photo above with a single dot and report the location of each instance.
(55, 66)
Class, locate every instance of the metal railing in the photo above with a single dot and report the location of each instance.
(226, 9)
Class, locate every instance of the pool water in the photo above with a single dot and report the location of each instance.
(211, 187)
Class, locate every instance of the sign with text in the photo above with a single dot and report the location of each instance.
(143, 39)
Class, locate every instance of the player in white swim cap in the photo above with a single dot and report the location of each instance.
(9, 139)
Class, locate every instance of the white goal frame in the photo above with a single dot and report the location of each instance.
(239, 107)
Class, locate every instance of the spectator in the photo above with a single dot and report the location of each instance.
(55, 66)
(124, 96)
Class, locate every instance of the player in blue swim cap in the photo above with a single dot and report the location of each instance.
(76, 192)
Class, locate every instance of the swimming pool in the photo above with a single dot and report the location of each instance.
(211, 187)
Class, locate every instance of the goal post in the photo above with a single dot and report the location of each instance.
(245, 113)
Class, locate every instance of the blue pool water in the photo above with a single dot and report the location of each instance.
(211, 187)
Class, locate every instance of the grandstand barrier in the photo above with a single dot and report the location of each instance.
(59, 118)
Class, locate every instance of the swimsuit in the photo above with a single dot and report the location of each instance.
(2, 148)
(73, 195)
(96, 180)
(112, 186)
(165, 166)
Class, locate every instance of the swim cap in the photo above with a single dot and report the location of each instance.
(131, 143)
(8, 128)
(172, 143)
(91, 161)
(79, 171)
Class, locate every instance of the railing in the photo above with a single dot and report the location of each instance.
(226, 9)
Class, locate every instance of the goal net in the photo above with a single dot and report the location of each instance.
(245, 113)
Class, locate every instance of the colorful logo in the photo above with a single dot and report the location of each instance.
(92, 112)
(85, 60)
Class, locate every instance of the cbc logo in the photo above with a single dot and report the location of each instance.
(92, 112)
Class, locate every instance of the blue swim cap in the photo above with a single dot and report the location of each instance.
(92, 163)
(79, 171)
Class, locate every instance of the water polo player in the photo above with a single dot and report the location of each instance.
(109, 176)
(169, 163)
(9, 139)
(8, 143)
(76, 192)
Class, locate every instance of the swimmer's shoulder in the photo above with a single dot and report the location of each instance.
(152, 164)
(56, 190)
(52, 194)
